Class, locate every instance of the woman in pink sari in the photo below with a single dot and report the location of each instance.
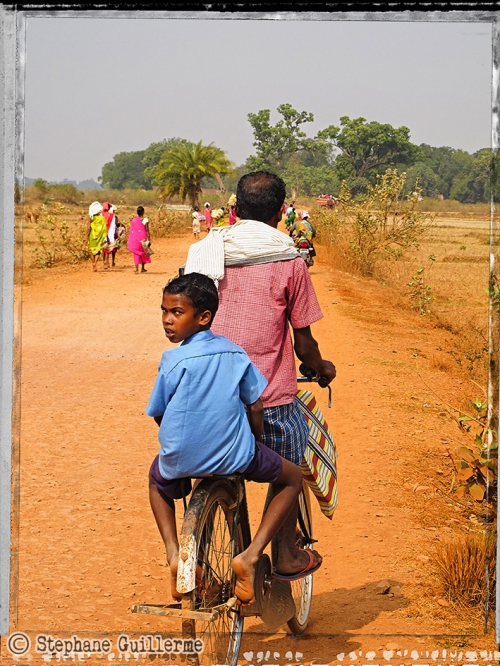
(208, 217)
(139, 231)
(232, 215)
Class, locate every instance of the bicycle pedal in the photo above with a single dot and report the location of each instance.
(262, 588)
(280, 607)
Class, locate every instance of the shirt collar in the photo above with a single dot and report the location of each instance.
(201, 336)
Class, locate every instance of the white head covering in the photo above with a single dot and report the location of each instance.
(304, 214)
(95, 208)
(113, 209)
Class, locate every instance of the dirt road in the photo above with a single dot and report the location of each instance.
(88, 544)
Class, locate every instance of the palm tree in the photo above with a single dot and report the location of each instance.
(181, 169)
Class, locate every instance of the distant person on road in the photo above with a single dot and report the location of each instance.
(109, 247)
(96, 232)
(208, 217)
(232, 216)
(289, 217)
(303, 227)
(139, 231)
(196, 223)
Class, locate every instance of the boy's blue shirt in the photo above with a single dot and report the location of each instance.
(200, 390)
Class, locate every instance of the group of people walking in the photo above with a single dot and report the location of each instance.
(212, 217)
(106, 235)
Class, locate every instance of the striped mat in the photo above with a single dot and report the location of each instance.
(319, 463)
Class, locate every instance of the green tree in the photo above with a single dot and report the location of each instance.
(231, 179)
(154, 153)
(182, 169)
(275, 144)
(368, 148)
(474, 184)
(493, 186)
(310, 181)
(125, 171)
(41, 187)
(427, 180)
(448, 164)
(65, 193)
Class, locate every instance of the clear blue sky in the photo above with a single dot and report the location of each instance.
(99, 86)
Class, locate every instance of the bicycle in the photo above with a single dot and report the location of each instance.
(215, 529)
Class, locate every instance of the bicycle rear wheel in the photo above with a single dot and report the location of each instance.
(302, 589)
(219, 538)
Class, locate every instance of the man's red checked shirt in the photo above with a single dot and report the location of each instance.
(256, 305)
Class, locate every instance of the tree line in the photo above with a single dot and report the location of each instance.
(355, 151)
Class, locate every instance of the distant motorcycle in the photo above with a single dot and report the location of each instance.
(306, 250)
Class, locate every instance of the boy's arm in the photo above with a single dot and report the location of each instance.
(255, 414)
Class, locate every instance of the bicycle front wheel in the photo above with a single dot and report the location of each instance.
(219, 538)
(302, 590)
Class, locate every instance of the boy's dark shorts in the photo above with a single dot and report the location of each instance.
(265, 467)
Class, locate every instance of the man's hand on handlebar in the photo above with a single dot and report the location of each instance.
(307, 350)
(313, 375)
(327, 370)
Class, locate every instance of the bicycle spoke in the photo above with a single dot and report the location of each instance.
(215, 578)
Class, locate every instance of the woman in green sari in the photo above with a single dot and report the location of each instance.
(96, 232)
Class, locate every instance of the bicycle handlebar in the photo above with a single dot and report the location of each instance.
(310, 375)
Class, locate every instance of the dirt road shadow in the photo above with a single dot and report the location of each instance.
(335, 617)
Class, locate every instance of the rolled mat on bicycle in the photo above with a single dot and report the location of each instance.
(318, 465)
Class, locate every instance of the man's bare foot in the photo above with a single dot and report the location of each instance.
(245, 574)
(174, 563)
(298, 561)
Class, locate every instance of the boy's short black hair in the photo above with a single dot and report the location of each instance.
(260, 195)
(199, 289)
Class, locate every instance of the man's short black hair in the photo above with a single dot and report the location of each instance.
(259, 195)
(199, 289)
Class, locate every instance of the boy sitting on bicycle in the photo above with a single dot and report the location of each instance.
(198, 402)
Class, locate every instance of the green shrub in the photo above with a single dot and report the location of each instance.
(367, 233)
(168, 222)
(123, 197)
(59, 241)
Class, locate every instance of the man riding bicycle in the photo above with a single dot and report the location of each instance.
(264, 288)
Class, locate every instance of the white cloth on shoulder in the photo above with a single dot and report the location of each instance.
(245, 243)
(112, 231)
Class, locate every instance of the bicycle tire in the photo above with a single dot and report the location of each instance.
(219, 537)
(302, 590)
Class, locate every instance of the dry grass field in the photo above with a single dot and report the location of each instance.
(455, 257)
